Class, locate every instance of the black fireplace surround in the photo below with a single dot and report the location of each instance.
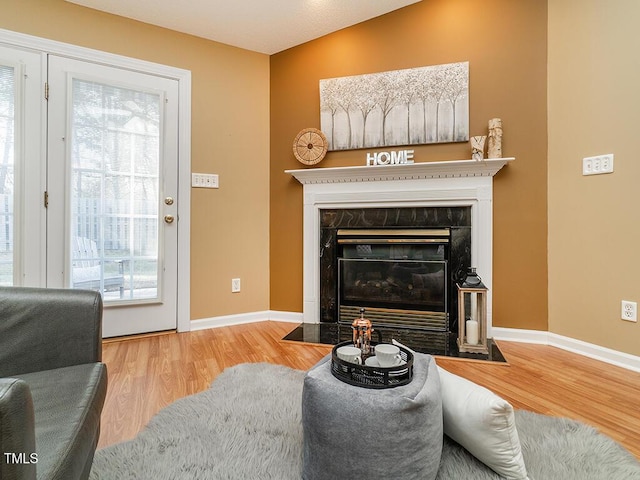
(447, 258)
(431, 318)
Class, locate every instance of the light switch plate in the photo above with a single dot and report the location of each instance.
(204, 180)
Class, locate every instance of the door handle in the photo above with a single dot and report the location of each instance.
(168, 218)
(168, 200)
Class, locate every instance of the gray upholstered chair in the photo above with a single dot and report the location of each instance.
(52, 382)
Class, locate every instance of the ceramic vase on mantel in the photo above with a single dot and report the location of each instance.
(477, 147)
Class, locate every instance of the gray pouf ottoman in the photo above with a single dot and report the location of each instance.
(358, 433)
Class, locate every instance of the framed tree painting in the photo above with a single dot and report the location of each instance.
(401, 107)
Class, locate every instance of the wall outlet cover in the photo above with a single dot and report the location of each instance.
(598, 164)
(629, 311)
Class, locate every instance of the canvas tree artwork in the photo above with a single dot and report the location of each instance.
(401, 107)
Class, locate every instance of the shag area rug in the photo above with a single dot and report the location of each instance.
(248, 426)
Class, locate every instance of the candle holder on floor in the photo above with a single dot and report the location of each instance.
(472, 314)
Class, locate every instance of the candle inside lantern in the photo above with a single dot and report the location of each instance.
(473, 313)
(472, 332)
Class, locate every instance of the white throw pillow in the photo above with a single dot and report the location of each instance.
(483, 423)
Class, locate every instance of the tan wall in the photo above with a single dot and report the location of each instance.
(230, 136)
(506, 45)
(594, 232)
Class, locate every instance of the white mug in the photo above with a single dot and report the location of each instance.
(350, 354)
(388, 355)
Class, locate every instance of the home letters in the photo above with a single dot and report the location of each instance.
(389, 158)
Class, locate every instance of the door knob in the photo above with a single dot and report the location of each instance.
(168, 218)
(168, 200)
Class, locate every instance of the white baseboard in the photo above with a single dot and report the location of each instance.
(613, 357)
(292, 317)
(240, 318)
(518, 335)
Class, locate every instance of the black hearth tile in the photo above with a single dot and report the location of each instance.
(434, 343)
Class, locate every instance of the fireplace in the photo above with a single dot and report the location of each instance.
(399, 263)
(452, 195)
(399, 276)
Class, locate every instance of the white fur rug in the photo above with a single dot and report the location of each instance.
(248, 426)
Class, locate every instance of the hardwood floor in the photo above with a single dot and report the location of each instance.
(147, 374)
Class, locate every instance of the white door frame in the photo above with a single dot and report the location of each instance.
(184, 140)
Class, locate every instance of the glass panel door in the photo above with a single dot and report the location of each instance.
(89, 181)
(112, 181)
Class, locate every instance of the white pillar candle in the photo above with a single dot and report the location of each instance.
(473, 314)
(472, 332)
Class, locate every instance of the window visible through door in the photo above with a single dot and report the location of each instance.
(115, 173)
(7, 177)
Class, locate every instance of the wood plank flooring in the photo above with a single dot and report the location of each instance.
(147, 374)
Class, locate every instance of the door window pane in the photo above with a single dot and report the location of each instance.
(7, 180)
(115, 167)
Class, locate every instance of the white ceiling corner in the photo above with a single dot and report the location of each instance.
(265, 26)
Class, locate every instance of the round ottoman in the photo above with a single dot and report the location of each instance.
(358, 433)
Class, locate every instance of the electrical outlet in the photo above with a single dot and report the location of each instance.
(597, 165)
(235, 285)
(629, 311)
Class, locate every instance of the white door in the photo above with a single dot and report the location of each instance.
(112, 182)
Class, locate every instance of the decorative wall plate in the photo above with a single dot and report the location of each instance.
(310, 146)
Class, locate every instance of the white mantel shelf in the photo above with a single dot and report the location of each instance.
(411, 171)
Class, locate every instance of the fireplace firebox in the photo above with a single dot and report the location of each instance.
(398, 275)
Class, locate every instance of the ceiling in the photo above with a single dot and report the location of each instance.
(265, 26)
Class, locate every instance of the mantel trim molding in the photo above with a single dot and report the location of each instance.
(410, 171)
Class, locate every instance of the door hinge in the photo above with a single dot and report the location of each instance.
(46, 199)
(46, 91)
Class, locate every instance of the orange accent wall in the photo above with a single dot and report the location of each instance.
(505, 43)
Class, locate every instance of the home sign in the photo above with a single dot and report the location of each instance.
(393, 157)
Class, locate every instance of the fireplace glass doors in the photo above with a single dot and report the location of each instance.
(400, 276)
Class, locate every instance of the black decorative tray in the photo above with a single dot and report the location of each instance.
(372, 376)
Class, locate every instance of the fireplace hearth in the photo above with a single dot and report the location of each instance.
(423, 341)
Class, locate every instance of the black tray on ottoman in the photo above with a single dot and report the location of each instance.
(372, 376)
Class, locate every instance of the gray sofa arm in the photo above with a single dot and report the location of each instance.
(17, 431)
(43, 329)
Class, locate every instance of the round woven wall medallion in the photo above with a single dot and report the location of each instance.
(310, 146)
